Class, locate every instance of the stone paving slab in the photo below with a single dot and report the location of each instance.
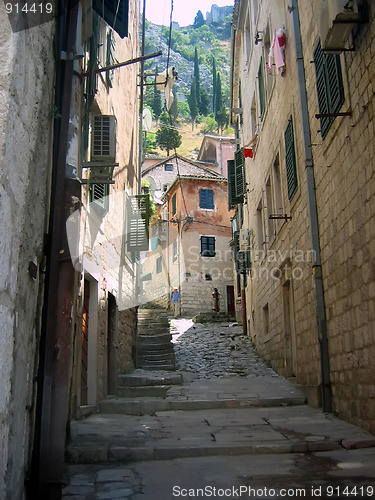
(214, 431)
(298, 473)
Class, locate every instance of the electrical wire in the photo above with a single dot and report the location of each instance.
(170, 37)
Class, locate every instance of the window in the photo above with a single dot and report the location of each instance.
(261, 88)
(110, 57)
(159, 265)
(329, 86)
(208, 246)
(277, 186)
(208, 277)
(99, 194)
(168, 167)
(174, 209)
(174, 251)
(270, 222)
(206, 198)
(290, 157)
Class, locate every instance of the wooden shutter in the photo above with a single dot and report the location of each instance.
(115, 13)
(236, 241)
(290, 156)
(239, 175)
(206, 198)
(329, 86)
(232, 199)
(138, 216)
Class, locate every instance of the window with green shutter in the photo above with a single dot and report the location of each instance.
(99, 195)
(262, 93)
(236, 179)
(290, 157)
(239, 164)
(174, 204)
(329, 86)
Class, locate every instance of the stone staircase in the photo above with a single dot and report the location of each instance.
(154, 347)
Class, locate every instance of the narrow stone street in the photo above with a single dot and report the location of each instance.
(223, 425)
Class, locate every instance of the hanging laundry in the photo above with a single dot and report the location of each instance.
(277, 52)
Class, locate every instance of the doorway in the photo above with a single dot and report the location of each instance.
(111, 349)
(289, 330)
(230, 299)
(85, 344)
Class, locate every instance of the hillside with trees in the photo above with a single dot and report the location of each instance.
(200, 54)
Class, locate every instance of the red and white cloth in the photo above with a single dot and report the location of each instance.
(277, 52)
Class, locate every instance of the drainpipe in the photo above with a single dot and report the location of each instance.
(313, 216)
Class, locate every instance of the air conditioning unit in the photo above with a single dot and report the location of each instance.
(244, 239)
(337, 19)
(103, 138)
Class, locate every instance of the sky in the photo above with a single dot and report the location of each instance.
(184, 11)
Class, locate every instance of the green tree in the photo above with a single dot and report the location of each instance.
(218, 96)
(168, 138)
(204, 106)
(193, 104)
(213, 84)
(199, 20)
(156, 102)
(183, 109)
(222, 118)
(196, 77)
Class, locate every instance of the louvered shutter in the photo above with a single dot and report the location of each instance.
(236, 241)
(329, 85)
(202, 198)
(115, 13)
(240, 175)
(290, 156)
(232, 200)
(322, 86)
(138, 215)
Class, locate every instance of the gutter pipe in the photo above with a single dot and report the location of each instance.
(326, 394)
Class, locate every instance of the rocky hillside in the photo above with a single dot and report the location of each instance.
(212, 40)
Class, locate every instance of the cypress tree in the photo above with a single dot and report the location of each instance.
(219, 98)
(196, 77)
(193, 104)
(214, 84)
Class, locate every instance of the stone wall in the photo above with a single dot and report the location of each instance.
(26, 96)
(280, 291)
(345, 180)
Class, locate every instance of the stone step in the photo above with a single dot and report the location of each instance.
(167, 367)
(150, 405)
(139, 378)
(158, 338)
(157, 357)
(143, 391)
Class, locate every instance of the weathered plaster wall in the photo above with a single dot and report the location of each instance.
(26, 93)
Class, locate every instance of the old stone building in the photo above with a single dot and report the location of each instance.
(69, 195)
(26, 120)
(189, 245)
(303, 107)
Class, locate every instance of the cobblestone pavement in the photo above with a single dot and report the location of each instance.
(215, 350)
